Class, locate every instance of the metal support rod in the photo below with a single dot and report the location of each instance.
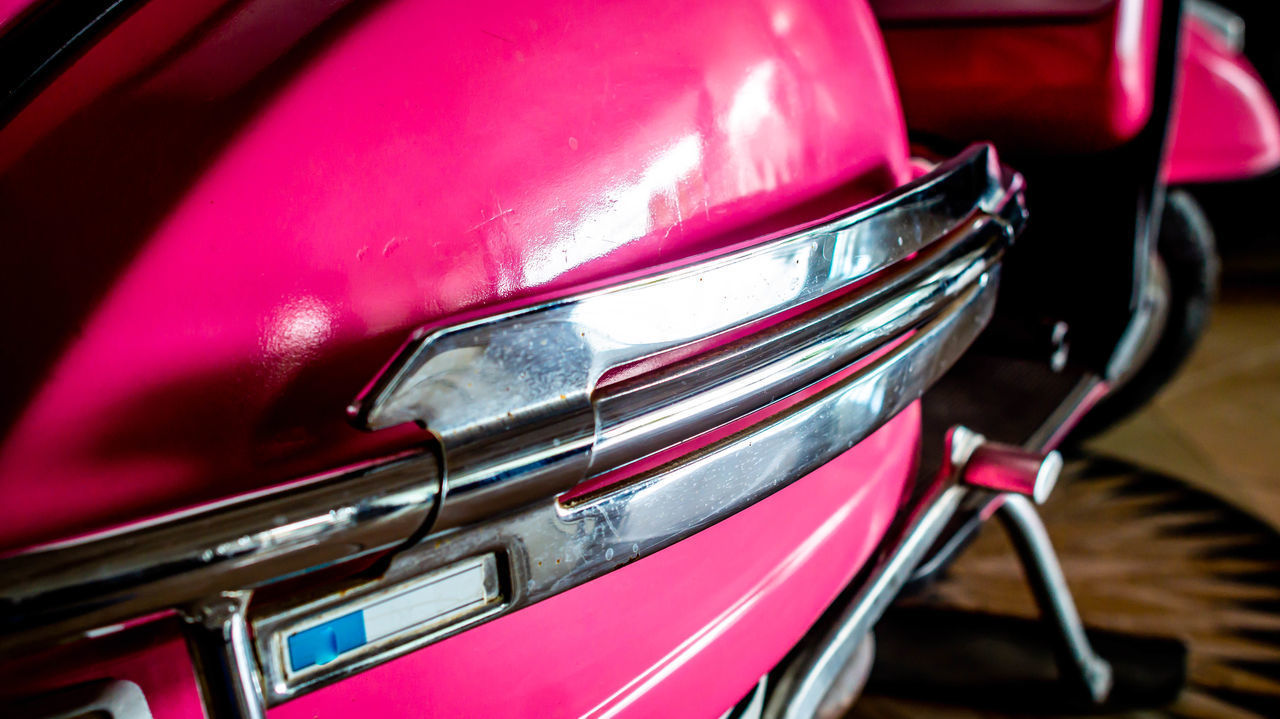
(1077, 662)
(222, 651)
(804, 684)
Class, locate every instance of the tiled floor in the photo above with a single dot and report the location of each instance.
(1145, 550)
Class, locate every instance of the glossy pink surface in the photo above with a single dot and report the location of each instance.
(682, 633)
(1226, 126)
(1031, 82)
(225, 217)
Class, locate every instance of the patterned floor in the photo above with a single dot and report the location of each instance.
(1145, 554)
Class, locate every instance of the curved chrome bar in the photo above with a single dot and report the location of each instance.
(513, 400)
(62, 590)
(660, 409)
(551, 546)
(510, 397)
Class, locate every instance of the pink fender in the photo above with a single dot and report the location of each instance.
(230, 216)
(1225, 126)
(684, 632)
(226, 216)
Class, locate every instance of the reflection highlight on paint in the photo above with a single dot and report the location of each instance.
(625, 214)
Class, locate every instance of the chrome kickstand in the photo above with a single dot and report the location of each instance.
(1077, 661)
(1019, 478)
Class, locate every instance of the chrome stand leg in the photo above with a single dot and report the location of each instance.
(1016, 477)
(218, 638)
(1077, 660)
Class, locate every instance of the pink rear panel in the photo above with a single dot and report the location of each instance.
(1040, 81)
(684, 632)
(1225, 126)
(224, 218)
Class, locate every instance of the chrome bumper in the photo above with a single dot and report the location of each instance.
(875, 304)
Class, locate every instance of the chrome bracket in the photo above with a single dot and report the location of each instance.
(222, 651)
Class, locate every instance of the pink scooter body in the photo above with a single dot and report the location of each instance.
(230, 216)
(231, 226)
(684, 632)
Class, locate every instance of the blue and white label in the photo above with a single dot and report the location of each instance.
(411, 607)
(323, 643)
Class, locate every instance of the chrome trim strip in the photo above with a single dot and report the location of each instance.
(660, 409)
(510, 397)
(63, 590)
(552, 546)
(804, 683)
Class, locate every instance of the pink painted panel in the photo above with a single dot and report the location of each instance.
(684, 632)
(225, 217)
(1226, 126)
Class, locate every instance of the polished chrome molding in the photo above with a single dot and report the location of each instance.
(60, 591)
(552, 546)
(657, 410)
(805, 683)
(510, 397)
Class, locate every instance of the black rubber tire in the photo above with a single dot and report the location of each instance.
(1187, 249)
